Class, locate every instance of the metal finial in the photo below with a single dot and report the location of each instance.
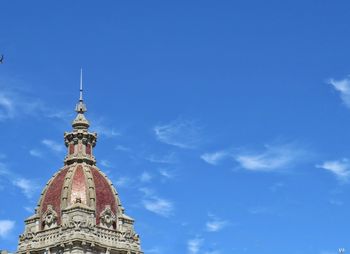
(80, 107)
(81, 85)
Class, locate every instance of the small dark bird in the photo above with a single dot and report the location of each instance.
(2, 59)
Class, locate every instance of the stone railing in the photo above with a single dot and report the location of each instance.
(98, 236)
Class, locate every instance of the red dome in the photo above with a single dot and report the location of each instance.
(79, 209)
(79, 183)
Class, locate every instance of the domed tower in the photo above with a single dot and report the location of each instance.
(79, 210)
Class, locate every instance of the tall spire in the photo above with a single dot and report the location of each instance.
(81, 85)
(81, 107)
(80, 140)
(80, 122)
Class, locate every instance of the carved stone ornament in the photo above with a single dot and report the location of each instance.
(107, 217)
(50, 217)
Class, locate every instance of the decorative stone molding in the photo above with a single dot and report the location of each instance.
(107, 218)
(49, 218)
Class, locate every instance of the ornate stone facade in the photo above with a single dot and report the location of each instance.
(79, 210)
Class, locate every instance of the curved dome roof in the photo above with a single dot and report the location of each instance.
(83, 184)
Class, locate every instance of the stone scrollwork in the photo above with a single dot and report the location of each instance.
(65, 221)
(107, 217)
(77, 222)
(90, 221)
(50, 218)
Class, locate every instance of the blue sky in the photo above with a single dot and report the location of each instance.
(223, 124)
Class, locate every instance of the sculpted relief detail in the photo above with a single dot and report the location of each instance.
(107, 218)
(49, 218)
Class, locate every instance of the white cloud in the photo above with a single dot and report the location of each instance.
(122, 148)
(53, 145)
(165, 159)
(145, 177)
(123, 182)
(212, 252)
(15, 102)
(341, 168)
(343, 87)
(214, 158)
(153, 203)
(273, 158)
(26, 186)
(159, 206)
(29, 209)
(5, 227)
(155, 250)
(105, 163)
(215, 224)
(194, 245)
(106, 131)
(4, 169)
(147, 191)
(35, 153)
(257, 210)
(7, 108)
(165, 173)
(180, 133)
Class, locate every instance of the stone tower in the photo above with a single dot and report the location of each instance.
(79, 210)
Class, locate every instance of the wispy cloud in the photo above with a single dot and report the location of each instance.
(159, 206)
(165, 159)
(122, 148)
(166, 173)
(25, 185)
(215, 224)
(194, 245)
(180, 133)
(4, 169)
(257, 210)
(213, 252)
(145, 177)
(28, 187)
(105, 163)
(53, 145)
(154, 250)
(35, 153)
(343, 87)
(6, 227)
(155, 204)
(272, 158)
(340, 168)
(29, 209)
(275, 157)
(123, 182)
(7, 108)
(105, 131)
(147, 192)
(215, 157)
(328, 252)
(15, 103)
